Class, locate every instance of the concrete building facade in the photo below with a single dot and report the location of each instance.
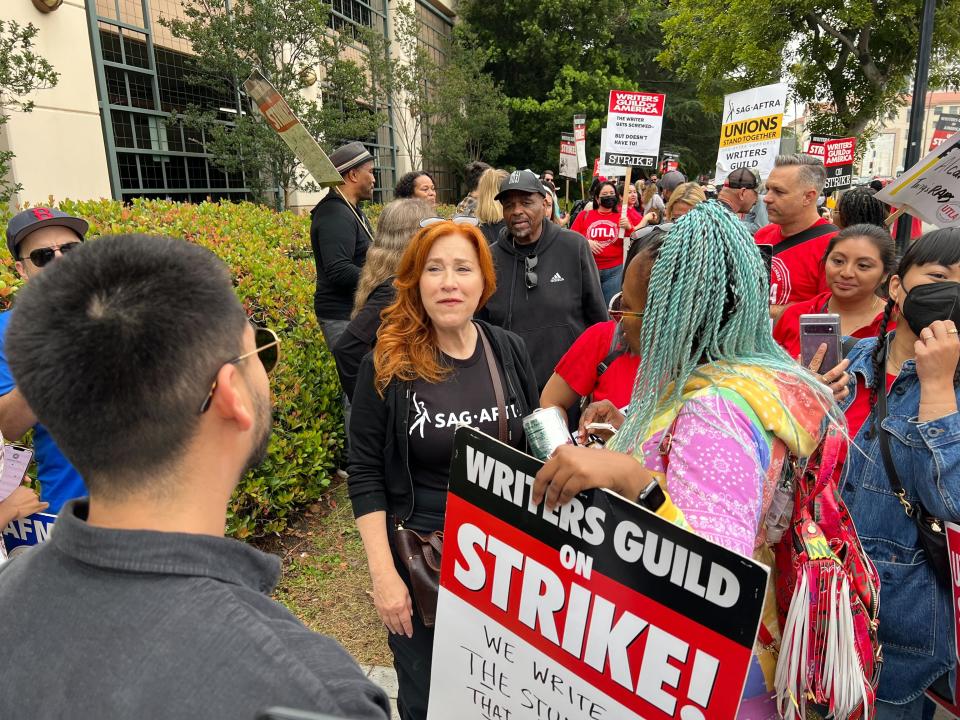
(105, 130)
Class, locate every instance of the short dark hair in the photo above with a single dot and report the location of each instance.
(115, 346)
(407, 183)
(859, 206)
(472, 172)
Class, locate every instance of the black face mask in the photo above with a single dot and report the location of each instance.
(609, 202)
(926, 304)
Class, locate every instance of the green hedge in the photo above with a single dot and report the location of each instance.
(274, 279)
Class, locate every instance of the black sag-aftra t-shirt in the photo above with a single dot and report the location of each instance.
(464, 397)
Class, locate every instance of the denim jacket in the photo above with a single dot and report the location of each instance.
(916, 621)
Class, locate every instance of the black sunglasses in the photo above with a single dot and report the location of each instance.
(529, 263)
(42, 256)
(268, 350)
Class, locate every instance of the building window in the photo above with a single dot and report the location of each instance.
(141, 73)
(435, 32)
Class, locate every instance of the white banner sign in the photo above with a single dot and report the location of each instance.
(568, 156)
(281, 118)
(580, 137)
(608, 171)
(634, 122)
(752, 125)
(930, 189)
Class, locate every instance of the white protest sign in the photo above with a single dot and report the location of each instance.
(752, 125)
(280, 117)
(596, 610)
(580, 137)
(568, 156)
(634, 122)
(930, 189)
(608, 171)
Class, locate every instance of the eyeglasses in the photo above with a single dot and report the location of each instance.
(42, 256)
(619, 315)
(457, 219)
(529, 263)
(268, 350)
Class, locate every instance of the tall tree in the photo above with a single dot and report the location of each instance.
(851, 61)
(288, 40)
(466, 113)
(556, 58)
(22, 71)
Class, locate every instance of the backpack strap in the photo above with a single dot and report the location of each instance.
(617, 348)
(847, 346)
(801, 237)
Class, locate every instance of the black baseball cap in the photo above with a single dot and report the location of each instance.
(26, 221)
(522, 180)
(671, 180)
(742, 178)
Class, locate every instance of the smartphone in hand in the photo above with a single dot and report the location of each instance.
(816, 330)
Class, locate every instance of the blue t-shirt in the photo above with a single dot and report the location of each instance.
(59, 480)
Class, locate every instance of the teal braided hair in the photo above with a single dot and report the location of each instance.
(707, 301)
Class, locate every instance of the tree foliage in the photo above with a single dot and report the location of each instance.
(466, 112)
(850, 61)
(556, 58)
(285, 39)
(22, 71)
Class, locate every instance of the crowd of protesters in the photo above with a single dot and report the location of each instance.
(665, 308)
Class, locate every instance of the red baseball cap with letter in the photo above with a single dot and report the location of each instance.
(26, 221)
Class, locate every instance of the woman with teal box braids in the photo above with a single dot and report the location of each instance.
(711, 375)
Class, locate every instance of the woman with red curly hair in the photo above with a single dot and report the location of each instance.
(434, 367)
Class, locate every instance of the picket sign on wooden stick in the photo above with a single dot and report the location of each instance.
(623, 214)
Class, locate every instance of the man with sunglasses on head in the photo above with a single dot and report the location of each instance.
(548, 286)
(35, 238)
(137, 355)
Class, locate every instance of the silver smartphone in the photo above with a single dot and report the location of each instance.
(816, 330)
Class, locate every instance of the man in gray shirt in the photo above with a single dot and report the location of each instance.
(137, 356)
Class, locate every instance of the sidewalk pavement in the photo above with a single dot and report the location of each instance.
(385, 677)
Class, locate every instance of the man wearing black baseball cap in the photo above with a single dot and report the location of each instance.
(548, 285)
(740, 191)
(35, 238)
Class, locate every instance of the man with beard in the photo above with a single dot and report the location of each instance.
(137, 356)
(548, 286)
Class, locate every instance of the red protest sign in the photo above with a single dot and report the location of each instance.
(839, 152)
(635, 103)
(598, 609)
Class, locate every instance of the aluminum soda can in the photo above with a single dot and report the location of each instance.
(546, 430)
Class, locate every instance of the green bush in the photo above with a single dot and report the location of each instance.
(275, 284)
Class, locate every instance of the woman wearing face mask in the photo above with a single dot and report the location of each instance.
(602, 227)
(913, 372)
(857, 263)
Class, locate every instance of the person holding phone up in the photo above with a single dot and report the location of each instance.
(902, 416)
(857, 264)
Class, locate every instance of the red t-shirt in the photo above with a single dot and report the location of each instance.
(798, 273)
(604, 228)
(578, 367)
(859, 409)
(787, 330)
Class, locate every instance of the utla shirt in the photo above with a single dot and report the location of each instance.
(604, 228)
(798, 273)
(579, 366)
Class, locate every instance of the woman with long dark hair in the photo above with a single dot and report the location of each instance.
(904, 395)
(604, 228)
